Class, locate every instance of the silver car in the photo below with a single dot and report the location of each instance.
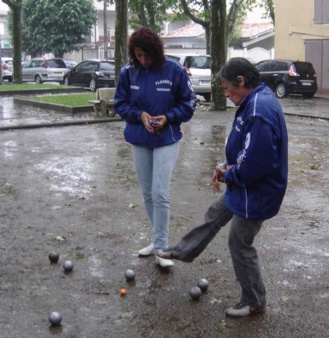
(40, 70)
(7, 68)
(198, 68)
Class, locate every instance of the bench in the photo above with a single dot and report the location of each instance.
(104, 104)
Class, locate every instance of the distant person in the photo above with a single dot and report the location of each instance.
(154, 96)
(255, 174)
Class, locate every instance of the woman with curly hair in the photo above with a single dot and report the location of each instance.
(154, 96)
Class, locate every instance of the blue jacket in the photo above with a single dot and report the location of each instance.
(258, 148)
(158, 92)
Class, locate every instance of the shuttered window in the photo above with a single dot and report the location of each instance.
(321, 12)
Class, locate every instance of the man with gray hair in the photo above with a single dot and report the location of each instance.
(255, 173)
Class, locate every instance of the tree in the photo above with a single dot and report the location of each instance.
(218, 50)
(106, 49)
(42, 32)
(16, 8)
(199, 12)
(218, 22)
(105, 4)
(121, 36)
(151, 13)
(269, 9)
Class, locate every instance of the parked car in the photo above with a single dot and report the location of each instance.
(7, 68)
(198, 68)
(41, 70)
(69, 63)
(286, 77)
(92, 74)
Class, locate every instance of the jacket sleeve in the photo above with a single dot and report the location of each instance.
(257, 158)
(122, 105)
(185, 100)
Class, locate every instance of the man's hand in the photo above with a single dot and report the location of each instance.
(217, 176)
(215, 183)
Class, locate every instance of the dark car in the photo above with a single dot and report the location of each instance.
(286, 77)
(70, 63)
(92, 74)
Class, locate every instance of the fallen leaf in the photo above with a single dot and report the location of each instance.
(60, 238)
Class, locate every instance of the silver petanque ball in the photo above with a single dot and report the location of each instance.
(68, 266)
(130, 275)
(195, 292)
(203, 284)
(55, 318)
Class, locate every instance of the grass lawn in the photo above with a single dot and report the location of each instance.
(67, 99)
(72, 100)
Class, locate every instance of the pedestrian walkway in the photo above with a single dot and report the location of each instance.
(17, 116)
(14, 116)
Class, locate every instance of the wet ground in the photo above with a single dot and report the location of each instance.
(73, 190)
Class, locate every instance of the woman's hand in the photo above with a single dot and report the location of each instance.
(145, 117)
(153, 123)
(158, 122)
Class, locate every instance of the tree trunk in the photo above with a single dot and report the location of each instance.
(208, 37)
(17, 38)
(106, 53)
(121, 36)
(218, 51)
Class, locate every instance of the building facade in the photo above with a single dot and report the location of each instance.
(302, 33)
(6, 48)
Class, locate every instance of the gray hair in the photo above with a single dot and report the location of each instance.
(236, 67)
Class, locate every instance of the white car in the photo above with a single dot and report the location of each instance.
(198, 68)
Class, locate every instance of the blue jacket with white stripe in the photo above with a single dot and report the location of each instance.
(257, 147)
(158, 92)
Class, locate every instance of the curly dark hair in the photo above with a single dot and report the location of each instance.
(239, 66)
(150, 42)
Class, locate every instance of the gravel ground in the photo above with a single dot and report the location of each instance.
(73, 190)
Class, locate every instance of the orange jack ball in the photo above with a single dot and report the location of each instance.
(123, 292)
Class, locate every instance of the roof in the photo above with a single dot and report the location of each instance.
(189, 31)
(255, 29)
(249, 30)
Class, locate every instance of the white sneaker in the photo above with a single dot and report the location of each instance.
(147, 251)
(164, 263)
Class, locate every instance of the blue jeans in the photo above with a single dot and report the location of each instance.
(154, 168)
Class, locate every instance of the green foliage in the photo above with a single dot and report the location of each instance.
(151, 13)
(56, 26)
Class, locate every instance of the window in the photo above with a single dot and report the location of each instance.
(321, 11)
(197, 62)
(282, 66)
(106, 66)
(263, 66)
(56, 63)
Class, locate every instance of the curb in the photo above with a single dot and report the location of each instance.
(61, 123)
(307, 116)
(53, 106)
(42, 91)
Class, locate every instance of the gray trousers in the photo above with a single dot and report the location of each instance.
(241, 238)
